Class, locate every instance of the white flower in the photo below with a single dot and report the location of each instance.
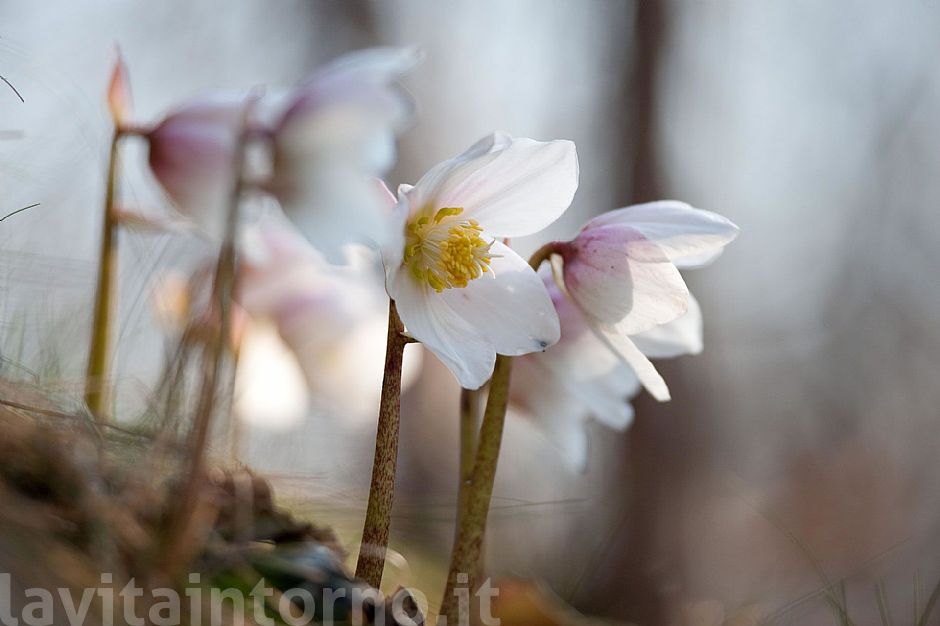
(622, 271)
(336, 135)
(459, 290)
(333, 319)
(270, 387)
(580, 377)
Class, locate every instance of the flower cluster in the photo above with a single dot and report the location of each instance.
(294, 295)
(616, 298)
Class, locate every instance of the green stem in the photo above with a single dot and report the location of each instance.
(96, 378)
(382, 489)
(469, 426)
(469, 429)
(477, 487)
(471, 524)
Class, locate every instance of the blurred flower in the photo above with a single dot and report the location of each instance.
(336, 136)
(305, 331)
(465, 295)
(192, 154)
(270, 388)
(622, 272)
(333, 319)
(580, 377)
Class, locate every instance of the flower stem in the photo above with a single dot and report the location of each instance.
(476, 488)
(382, 489)
(469, 429)
(545, 253)
(96, 378)
(176, 549)
(471, 524)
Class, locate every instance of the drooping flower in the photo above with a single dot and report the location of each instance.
(622, 271)
(192, 155)
(458, 288)
(581, 377)
(335, 134)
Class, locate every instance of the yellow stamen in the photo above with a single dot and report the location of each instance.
(446, 252)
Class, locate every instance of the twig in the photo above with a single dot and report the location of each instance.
(25, 208)
(10, 85)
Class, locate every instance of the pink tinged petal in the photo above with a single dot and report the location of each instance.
(365, 77)
(689, 237)
(431, 320)
(510, 306)
(617, 276)
(678, 337)
(513, 187)
(192, 155)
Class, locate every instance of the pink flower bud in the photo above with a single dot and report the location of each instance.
(119, 92)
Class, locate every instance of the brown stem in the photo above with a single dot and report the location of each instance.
(180, 527)
(471, 524)
(382, 489)
(96, 378)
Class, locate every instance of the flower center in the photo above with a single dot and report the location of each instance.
(445, 251)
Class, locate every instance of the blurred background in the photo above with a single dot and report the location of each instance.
(800, 447)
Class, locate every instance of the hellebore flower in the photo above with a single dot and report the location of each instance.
(580, 377)
(458, 289)
(336, 135)
(622, 271)
(333, 319)
(192, 155)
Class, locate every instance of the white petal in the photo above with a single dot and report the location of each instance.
(688, 236)
(627, 350)
(513, 187)
(510, 306)
(559, 414)
(270, 388)
(335, 207)
(681, 336)
(618, 276)
(608, 397)
(377, 66)
(361, 82)
(431, 320)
